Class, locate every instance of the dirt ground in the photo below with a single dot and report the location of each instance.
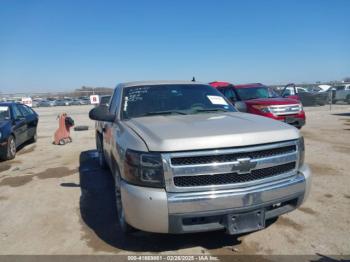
(56, 200)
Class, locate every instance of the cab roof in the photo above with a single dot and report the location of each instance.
(159, 82)
(218, 84)
(252, 85)
(8, 103)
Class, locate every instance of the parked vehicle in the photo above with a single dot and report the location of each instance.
(342, 93)
(262, 100)
(18, 124)
(85, 100)
(76, 102)
(46, 103)
(62, 102)
(184, 160)
(104, 100)
(305, 96)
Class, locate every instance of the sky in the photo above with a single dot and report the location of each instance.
(62, 45)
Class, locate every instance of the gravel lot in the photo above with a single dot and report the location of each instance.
(56, 200)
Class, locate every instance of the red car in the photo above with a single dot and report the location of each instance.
(262, 100)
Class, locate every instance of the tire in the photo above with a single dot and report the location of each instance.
(125, 228)
(11, 148)
(81, 128)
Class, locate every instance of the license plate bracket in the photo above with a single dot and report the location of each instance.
(245, 222)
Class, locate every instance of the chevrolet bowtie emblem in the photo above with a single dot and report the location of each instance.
(244, 165)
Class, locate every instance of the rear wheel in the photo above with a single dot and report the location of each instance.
(11, 148)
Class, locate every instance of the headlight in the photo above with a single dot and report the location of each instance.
(144, 169)
(301, 148)
(0, 135)
(264, 109)
(301, 107)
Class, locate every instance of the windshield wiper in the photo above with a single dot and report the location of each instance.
(169, 112)
(212, 110)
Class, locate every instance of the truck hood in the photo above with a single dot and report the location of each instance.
(209, 131)
(272, 101)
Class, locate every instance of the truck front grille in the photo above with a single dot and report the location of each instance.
(231, 178)
(226, 168)
(196, 160)
(286, 109)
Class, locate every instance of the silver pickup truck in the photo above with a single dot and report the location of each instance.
(184, 160)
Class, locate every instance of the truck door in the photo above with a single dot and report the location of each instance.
(290, 91)
(108, 129)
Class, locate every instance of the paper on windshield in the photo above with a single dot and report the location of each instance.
(217, 100)
(3, 108)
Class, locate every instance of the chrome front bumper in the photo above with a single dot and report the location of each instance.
(155, 210)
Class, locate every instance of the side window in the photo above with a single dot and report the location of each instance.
(114, 102)
(16, 112)
(24, 110)
(230, 94)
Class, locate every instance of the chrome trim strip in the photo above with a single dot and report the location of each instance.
(230, 150)
(170, 171)
(231, 167)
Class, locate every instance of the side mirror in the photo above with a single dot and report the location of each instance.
(101, 114)
(240, 106)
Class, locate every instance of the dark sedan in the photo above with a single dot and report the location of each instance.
(18, 124)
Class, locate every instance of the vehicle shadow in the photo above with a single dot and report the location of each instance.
(21, 150)
(98, 212)
(342, 114)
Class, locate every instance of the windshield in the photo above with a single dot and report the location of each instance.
(256, 92)
(4, 113)
(172, 99)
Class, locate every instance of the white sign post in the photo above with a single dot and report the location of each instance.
(27, 101)
(94, 99)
